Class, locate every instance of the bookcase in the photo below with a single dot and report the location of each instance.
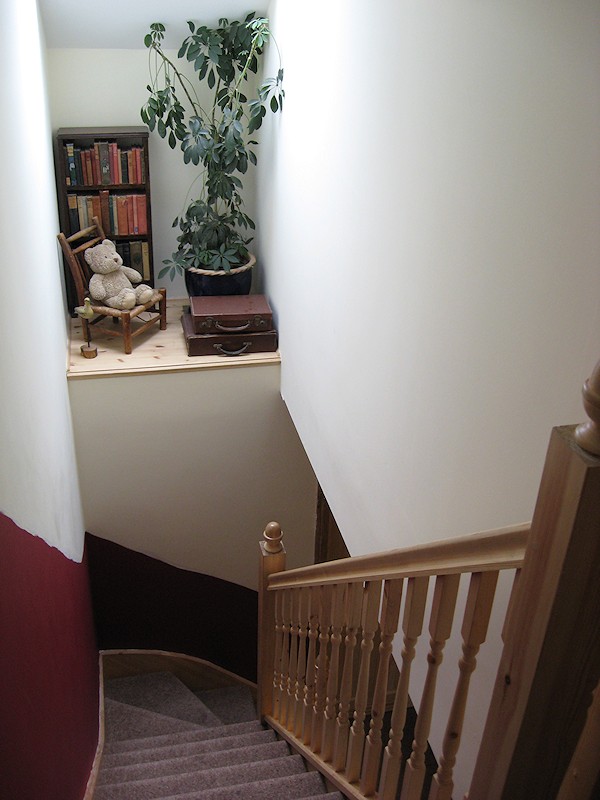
(104, 172)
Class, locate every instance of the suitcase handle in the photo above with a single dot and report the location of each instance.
(233, 329)
(239, 352)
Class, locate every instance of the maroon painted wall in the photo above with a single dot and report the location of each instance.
(48, 671)
(140, 602)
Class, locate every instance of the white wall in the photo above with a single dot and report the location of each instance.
(195, 468)
(38, 478)
(108, 88)
(428, 206)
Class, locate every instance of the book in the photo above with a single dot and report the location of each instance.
(131, 166)
(145, 261)
(136, 261)
(105, 210)
(122, 215)
(73, 213)
(78, 170)
(82, 211)
(130, 214)
(104, 162)
(114, 225)
(96, 165)
(138, 164)
(135, 228)
(71, 178)
(124, 167)
(142, 214)
(114, 169)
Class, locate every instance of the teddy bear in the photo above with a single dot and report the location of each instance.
(111, 284)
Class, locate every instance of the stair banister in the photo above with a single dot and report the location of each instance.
(550, 663)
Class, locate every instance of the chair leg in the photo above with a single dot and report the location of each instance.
(126, 320)
(162, 307)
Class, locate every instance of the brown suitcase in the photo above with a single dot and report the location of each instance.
(231, 314)
(226, 344)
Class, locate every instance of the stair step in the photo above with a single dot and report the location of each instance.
(192, 734)
(162, 693)
(292, 787)
(230, 703)
(186, 748)
(129, 722)
(193, 763)
(239, 774)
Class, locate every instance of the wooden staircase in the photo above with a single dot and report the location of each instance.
(320, 679)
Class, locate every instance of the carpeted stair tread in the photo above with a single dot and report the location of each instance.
(184, 732)
(194, 763)
(186, 748)
(292, 787)
(226, 776)
(123, 721)
(162, 693)
(230, 703)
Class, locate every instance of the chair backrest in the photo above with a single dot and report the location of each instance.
(74, 248)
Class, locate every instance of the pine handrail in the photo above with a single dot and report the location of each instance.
(498, 549)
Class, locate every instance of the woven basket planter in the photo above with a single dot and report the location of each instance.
(211, 282)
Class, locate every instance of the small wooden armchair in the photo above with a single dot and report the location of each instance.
(74, 248)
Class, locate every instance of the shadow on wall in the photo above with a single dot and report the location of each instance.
(142, 603)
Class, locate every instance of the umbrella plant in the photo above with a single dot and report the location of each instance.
(213, 228)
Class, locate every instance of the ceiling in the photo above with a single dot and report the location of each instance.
(124, 23)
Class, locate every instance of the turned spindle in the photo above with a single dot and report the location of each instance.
(587, 435)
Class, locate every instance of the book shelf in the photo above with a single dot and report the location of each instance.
(104, 172)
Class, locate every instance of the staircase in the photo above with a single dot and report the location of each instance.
(165, 742)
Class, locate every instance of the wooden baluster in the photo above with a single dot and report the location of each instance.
(474, 630)
(412, 625)
(277, 674)
(293, 667)
(388, 624)
(272, 560)
(286, 616)
(357, 732)
(440, 626)
(337, 622)
(311, 663)
(316, 737)
(354, 597)
(303, 603)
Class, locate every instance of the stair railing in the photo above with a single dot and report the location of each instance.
(324, 686)
(322, 683)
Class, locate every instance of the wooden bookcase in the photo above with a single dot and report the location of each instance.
(105, 172)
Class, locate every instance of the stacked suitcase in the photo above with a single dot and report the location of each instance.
(229, 325)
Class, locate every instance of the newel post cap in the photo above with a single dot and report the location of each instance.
(587, 435)
(273, 536)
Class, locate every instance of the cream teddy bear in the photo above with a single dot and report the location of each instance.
(111, 284)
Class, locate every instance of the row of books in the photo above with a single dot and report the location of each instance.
(103, 164)
(120, 214)
(135, 255)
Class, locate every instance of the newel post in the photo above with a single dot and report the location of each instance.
(550, 663)
(272, 559)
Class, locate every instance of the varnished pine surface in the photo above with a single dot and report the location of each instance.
(153, 351)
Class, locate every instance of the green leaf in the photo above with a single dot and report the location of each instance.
(211, 79)
(148, 40)
(191, 26)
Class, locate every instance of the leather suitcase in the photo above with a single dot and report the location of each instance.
(231, 314)
(226, 344)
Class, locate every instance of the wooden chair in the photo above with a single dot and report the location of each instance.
(74, 248)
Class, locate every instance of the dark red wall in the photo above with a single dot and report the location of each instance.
(143, 603)
(48, 671)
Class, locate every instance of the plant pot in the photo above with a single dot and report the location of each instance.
(200, 282)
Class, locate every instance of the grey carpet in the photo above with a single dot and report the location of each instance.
(163, 742)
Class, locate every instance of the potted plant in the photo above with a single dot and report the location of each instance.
(213, 228)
